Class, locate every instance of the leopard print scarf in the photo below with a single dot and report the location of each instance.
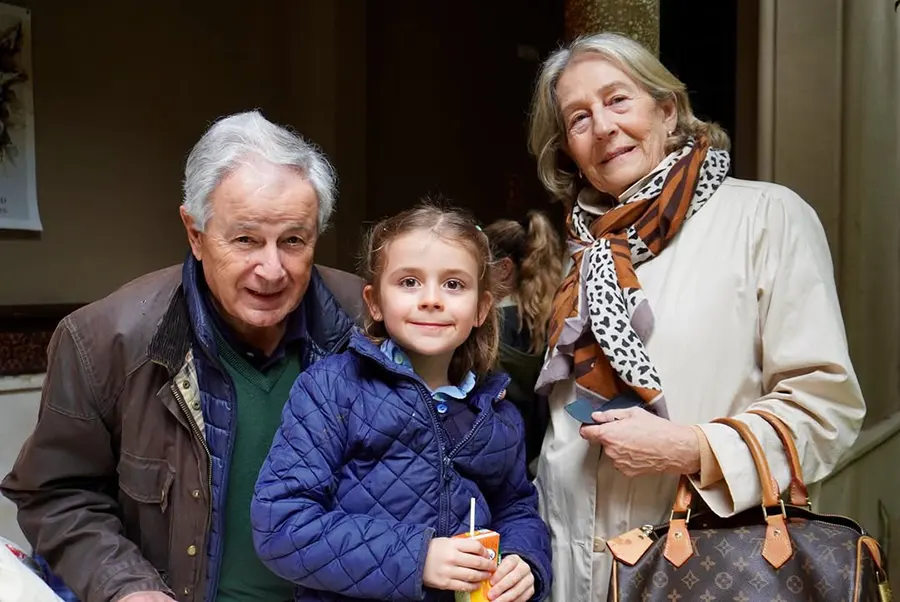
(601, 318)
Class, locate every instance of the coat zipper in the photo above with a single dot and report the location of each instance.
(443, 524)
(444, 510)
(196, 431)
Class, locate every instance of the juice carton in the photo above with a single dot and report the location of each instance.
(491, 541)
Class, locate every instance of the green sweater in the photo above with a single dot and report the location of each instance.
(260, 398)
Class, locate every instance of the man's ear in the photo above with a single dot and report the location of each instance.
(372, 303)
(195, 237)
(484, 308)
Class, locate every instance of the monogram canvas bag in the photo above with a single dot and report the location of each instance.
(780, 552)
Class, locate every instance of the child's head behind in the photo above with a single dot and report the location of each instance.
(428, 287)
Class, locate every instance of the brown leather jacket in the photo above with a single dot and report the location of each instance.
(113, 486)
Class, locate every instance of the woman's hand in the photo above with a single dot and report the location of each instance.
(513, 581)
(639, 442)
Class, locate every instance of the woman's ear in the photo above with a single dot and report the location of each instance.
(505, 268)
(372, 303)
(669, 108)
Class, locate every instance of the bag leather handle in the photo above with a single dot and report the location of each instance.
(798, 491)
(684, 495)
(770, 492)
(678, 546)
(777, 548)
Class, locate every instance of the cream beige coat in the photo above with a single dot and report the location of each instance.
(746, 315)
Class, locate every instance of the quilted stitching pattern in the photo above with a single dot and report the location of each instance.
(359, 480)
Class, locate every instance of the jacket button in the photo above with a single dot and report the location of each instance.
(599, 545)
(192, 550)
(195, 405)
(187, 591)
(185, 384)
(195, 494)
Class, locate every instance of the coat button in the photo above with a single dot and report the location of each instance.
(185, 384)
(195, 494)
(187, 591)
(192, 550)
(599, 545)
(195, 405)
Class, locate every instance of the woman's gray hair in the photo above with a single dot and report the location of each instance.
(547, 135)
(232, 141)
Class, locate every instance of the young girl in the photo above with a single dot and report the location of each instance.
(528, 262)
(382, 448)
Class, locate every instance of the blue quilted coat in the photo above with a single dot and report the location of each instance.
(361, 476)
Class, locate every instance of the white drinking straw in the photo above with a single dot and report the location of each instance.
(472, 517)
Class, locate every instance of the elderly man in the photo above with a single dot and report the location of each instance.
(162, 399)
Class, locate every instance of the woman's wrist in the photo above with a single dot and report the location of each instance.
(710, 472)
(688, 451)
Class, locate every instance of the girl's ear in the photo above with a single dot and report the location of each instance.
(484, 308)
(372, 303)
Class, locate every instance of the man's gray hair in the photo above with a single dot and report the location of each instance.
(232, 141)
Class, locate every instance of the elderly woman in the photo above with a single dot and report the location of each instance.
(696, 294)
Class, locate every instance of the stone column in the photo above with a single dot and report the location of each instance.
(637, 19)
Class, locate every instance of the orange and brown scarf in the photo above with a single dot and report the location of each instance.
(601, 318)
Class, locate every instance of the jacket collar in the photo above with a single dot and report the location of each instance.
(172, 339)
(491, 385)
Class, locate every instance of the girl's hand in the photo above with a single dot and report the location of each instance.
(457, 564)
(513, 581)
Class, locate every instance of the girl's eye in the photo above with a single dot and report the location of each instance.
(455, 285)
(408, 282)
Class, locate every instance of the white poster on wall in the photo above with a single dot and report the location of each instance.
(18, 185)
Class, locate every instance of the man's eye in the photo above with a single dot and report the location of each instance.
(293, 240)
(243, 240)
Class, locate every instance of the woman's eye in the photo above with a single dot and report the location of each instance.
(579, 122)
(617, 99)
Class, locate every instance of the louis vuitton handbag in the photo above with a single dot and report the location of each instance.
(779, 552)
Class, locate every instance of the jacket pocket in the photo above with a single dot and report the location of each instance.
(145, 480)
(145, 485)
